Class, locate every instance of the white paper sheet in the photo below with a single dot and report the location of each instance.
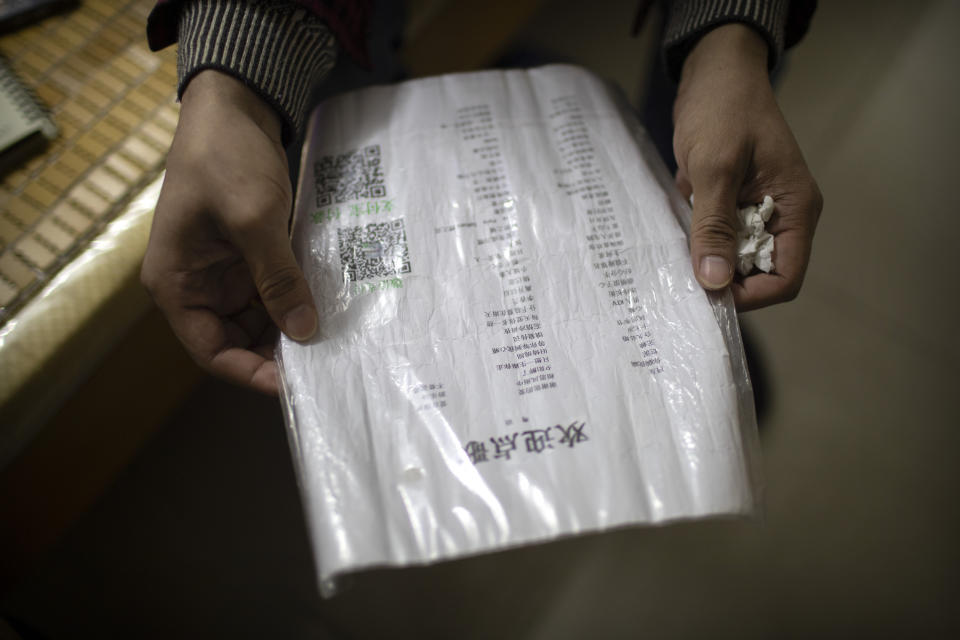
(513, 346)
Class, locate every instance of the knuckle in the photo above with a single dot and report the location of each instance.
(278, 283)
(265, 203)
(714, 228)
(148, 277)
(681, 149)
(256, 217)
(791, 293)
(248, 223)
(792, 290)
(816, 200)
(721, 166)
(249, 212)
(263, 199)
(725, 164)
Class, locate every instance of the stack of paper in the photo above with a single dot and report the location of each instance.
(513, 346)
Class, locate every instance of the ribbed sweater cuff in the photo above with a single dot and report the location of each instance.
(688, 20)
(277, 50)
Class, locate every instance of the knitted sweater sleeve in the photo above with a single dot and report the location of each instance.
(276, 49)
(782, 23)
(279, 49)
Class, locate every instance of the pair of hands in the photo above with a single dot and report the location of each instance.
(219, 262)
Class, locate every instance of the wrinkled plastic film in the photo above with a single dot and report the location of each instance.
(94, 291)
(513, 346)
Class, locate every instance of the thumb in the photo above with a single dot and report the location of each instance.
(281, 285)
(713, 237)
(682, 183)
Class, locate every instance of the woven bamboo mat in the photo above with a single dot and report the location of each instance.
(114, 103)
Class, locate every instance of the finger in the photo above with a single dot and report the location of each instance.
(683, 183)
(256, 371)
(760, 290)
(790, 255)
(250, 324)
(235, 288)
(713, 236)
(207, 340)
(279, 281)
(265, 350)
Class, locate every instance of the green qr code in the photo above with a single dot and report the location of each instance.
(375, 250)
(355, 175)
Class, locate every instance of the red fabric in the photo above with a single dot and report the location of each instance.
(348, 19)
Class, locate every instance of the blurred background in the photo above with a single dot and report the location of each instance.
(149, 501)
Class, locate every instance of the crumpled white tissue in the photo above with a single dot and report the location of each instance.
(754, 243)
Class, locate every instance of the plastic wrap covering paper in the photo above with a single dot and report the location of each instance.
(53, 342)
(513, 346)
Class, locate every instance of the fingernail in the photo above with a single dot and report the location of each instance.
(301, 323)
(714, 272)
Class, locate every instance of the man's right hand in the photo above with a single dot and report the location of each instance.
(219, 262)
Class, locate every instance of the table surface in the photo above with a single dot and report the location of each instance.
(71, 234)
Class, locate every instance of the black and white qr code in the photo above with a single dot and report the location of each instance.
(355, 175)
(375, 250)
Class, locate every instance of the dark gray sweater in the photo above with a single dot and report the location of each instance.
(280, 49)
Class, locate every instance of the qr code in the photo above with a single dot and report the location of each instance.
(349, 176)
(375, 250)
